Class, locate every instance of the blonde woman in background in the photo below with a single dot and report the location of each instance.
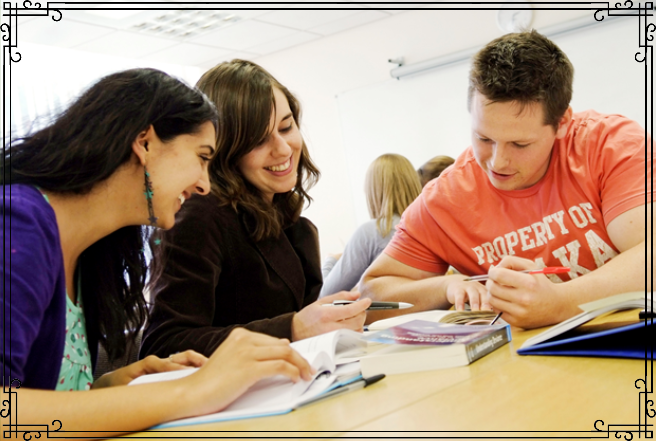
(391, 184)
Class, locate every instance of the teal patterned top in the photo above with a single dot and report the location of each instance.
(75, 372)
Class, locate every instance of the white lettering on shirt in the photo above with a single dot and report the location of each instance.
(524, 237)
(601, 251)
(500, 247)
(481, 256)
(572, 261)
(511, 239)
(578, 217)
(540, 236)
(587, 207)
(558, 217)
(546, 221)
(543, 231)
(489, 252)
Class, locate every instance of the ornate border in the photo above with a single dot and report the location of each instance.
(646, 30)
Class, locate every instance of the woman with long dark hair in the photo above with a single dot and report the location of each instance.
(244, 255)
(77, 193)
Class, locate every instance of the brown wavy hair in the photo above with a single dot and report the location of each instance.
(525, 67)
(243, 94)
(433, 168)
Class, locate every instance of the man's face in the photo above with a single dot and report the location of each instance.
(512, 148)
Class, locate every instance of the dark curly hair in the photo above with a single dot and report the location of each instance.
(525, 67)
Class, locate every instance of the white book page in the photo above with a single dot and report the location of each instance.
(278, 394)
(591, 310)
(431, 316)
(334, 343)
(162, 376)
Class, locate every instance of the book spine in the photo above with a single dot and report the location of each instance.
(483, 346)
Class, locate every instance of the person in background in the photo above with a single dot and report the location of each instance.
(433, 168)
(391, 184)
(541, 186)
(76, 196)
(244, 255)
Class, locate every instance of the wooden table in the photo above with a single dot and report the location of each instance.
(502, 395)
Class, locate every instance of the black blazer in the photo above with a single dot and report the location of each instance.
(216, 278)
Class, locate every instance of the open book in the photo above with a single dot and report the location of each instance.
(626, 340)
(438, 316)
(422, 345)
(278, 395)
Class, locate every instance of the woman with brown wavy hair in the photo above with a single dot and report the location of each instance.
(244, 256)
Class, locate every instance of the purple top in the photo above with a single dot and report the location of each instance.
(34, 295)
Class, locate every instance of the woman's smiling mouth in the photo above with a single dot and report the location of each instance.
(281, 167)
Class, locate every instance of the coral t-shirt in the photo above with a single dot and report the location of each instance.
(598, 171)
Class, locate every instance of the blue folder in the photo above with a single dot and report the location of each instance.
(629, 341)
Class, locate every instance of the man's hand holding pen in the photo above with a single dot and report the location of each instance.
(526, 300)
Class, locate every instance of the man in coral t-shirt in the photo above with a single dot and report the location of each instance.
(540, 186)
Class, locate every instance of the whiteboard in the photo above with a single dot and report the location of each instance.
(425, 115)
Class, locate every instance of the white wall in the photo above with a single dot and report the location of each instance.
(319, 72)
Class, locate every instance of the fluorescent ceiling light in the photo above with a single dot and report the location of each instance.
(185, 23)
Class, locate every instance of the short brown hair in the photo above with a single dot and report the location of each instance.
(525, 67)
(243, 94)
(433, 168)
(391, 184)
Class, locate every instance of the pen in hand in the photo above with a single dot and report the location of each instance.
(374, 305)
(547, 270)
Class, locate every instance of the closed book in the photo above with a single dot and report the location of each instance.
(422, 345)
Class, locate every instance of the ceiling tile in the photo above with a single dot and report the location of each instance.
(283, 43)
(64, 33)
(242, 35)
(352, 21)
(122, 17)
(187, 54)
(305, 19)
(127, 44)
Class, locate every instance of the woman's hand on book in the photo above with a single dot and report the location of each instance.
(150, 365)
(242, 360)
(314, 319)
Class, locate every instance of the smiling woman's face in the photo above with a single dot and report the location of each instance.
(178, 169)
(272, 166)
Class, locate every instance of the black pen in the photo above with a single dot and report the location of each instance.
(374, 305)
(359, 384)
(496, 318)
